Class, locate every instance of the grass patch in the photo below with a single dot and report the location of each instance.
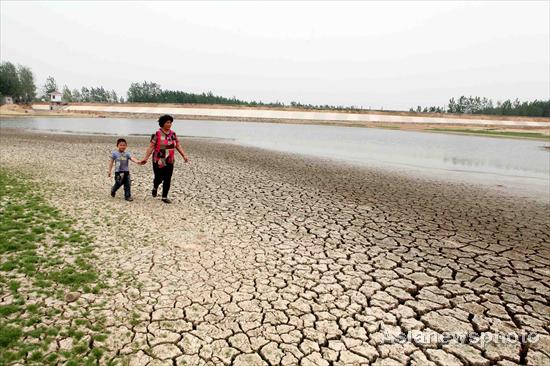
(536, 135)
(9, 334)
(35, 240)
(6, 310)
(73, 277)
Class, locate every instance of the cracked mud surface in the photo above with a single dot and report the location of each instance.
(272, 259)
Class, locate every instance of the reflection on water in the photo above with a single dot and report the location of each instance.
(484, 163)
(412, 151)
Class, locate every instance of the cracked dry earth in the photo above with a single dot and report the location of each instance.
(272, 259)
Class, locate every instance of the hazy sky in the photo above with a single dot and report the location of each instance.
(390, 54)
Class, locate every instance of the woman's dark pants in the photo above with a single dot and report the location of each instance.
(163, 175)
(122, 178)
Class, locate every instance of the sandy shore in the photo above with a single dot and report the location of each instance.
(266, 258)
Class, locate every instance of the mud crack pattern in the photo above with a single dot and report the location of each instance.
(272, 259)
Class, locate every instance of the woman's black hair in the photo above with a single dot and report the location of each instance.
(164, 119)
(121, 140)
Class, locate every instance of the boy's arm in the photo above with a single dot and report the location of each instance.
(134, 159)
(111, 161)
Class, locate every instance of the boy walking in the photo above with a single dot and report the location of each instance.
(121, 159)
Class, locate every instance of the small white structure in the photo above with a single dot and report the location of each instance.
(7, 100)
(56, 97)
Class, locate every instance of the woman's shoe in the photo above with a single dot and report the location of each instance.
(166, 200)
(154, 192)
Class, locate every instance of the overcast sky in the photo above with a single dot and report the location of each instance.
(392, 54)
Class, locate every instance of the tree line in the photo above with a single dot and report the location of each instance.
(150, 92)
(478, 105)
(91, 95)
(18, 82)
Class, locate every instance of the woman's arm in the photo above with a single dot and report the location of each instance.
(148, 152)
(135, 160)
(182, 153)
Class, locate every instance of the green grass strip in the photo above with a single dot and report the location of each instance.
(35, 240)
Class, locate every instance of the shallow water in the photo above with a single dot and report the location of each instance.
(521, 166)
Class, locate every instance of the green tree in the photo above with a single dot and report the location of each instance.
(27, 91)
(144, 92)
(49, 86)
(67, 94)
(113, 98)
(85, 94)
(9, 80)
(76, 95)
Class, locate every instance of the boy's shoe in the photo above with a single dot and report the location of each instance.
(112, 194)
(129, 199)
(154, 192)
(166, 200)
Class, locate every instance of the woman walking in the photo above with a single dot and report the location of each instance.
(163, 145)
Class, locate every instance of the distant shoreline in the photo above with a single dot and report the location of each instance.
(297, 109)
(513, 127)
(290, 113)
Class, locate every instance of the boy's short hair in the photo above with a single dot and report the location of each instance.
(164, 119)
(120, 141)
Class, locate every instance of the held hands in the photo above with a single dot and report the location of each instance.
(144, 161)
